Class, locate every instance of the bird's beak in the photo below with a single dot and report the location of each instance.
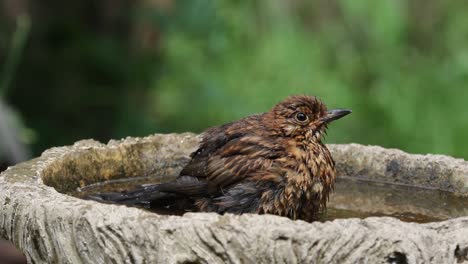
(335, 114)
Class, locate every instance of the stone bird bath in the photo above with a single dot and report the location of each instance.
(50, 226)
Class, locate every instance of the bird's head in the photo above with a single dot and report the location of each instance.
(304, 118)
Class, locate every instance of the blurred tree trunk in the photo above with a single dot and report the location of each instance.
(11, 146)
(91, 63)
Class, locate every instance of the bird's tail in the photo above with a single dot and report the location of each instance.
(145, 196)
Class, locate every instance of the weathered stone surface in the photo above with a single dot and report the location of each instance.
(51, 227)
(395, 166)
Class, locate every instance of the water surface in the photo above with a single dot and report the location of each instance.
(351, 199)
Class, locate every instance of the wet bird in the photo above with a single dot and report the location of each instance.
(269, 163)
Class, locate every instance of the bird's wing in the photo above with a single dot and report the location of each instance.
(186, 186)
(228, 160)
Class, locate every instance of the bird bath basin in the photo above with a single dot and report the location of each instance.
(352, 198)
(388, 207)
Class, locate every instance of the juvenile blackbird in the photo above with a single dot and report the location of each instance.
(270, 163)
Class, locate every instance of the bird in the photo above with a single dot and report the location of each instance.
(269, 163)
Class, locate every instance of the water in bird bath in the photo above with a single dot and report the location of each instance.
(351, 199)
(359, 198)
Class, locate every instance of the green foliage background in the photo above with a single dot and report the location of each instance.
(401, 66)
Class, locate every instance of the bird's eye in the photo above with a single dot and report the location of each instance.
(301, 117)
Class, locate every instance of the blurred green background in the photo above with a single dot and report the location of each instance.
(106, 69)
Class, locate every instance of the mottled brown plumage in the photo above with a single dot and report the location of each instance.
(270, 163)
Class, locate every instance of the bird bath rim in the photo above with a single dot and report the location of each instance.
(50, 226)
